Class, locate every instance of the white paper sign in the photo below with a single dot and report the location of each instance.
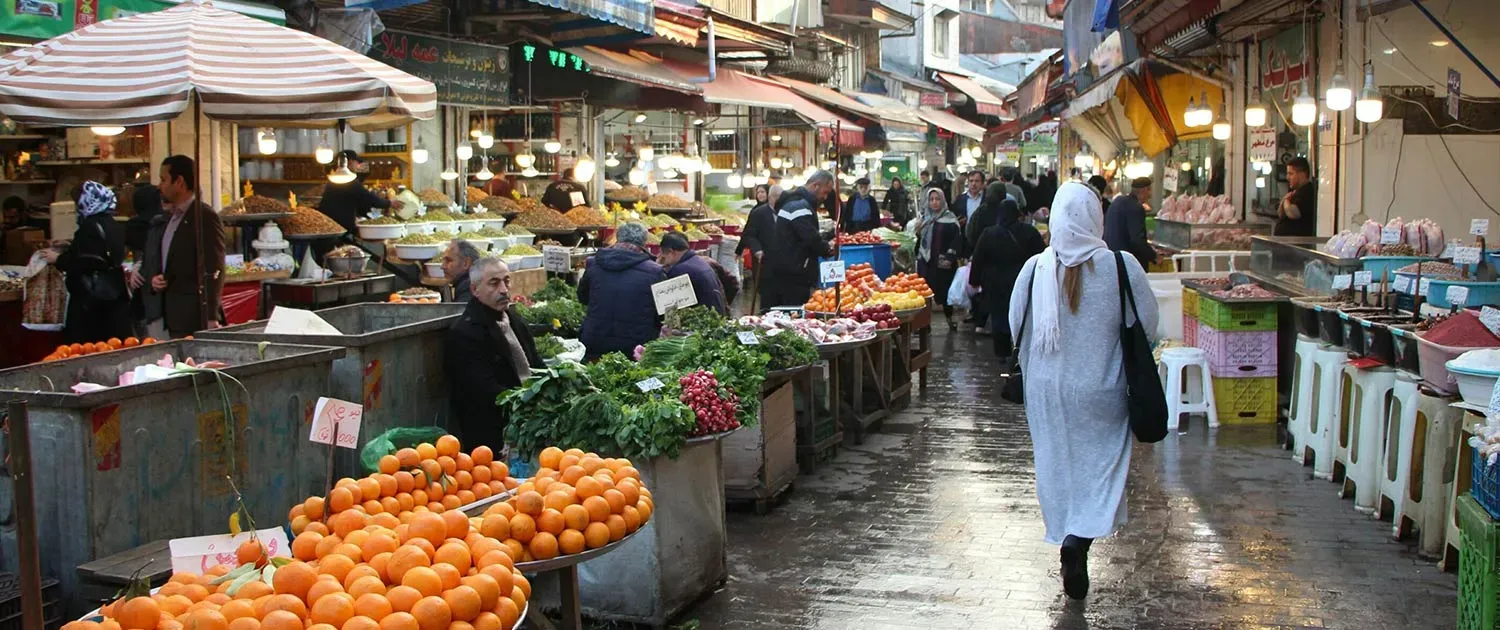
(1458, 294)
(1169, 180)
(234, 260)
(673, 293)
(1479, 227)
(831, 271)
(200, 553)
(557, 258)
(1490, 317)
(1403, 284)
(1342, 281)
(336, 422)
(650, 384)
(295, 321)
(1423, 288)
(1263, 144)
(748, 338)
(1465, 255)
(575, 198)
(1390, 236)
(1364, 278)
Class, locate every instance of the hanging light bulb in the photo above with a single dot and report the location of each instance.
(1260, 182)
(475, 130)
(464, 151)
(1304, 108)
(525, 159)
(1221, 125)
(419, 155)
(1186, 166)
(611, 161)
(1369, 107)
(775, 137)
(486, 141)
(342, 174)
(640, 118)
(530, 171)
(448, 175)
(734, 180)
(265, 139)
(1083, 161)
(107, 130)
(1190, 115)
(637, 177)
(669, 174)
(775, 162)
(583, 170)
(552, 146)
(646, 153)
(978, 152)
(1338, 97)
(1255, 111)
(484, 173)
(324, 153)
(921, 162)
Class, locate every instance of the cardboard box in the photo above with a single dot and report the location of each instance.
(21, 242)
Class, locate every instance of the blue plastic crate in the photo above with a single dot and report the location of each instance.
(1479, 292)
(1485, 484)
(879, 257)
(1386, 266)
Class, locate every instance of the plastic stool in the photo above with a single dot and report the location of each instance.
(1361, 427)
(1187, 392)
(1327, 387)
(1463, 459)
(1299, 416)
(1396, 456)
(1430, 491)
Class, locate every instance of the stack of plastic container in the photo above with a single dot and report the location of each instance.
(1240, 339)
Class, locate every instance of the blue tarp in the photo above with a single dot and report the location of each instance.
(1106, 16)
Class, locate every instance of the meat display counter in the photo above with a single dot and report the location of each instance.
(1295, 266)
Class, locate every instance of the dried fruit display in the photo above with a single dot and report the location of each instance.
(496, 203)
(663, 200)
(627, 194)
(586, 216)
(305, 220)
(475, 195)
(434, 197)
(543, 219)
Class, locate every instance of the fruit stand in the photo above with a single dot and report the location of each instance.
(760, 462)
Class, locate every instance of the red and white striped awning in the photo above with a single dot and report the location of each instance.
(146, 68)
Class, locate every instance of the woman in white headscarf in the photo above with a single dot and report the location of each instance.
(98, 299)
(1065, 310)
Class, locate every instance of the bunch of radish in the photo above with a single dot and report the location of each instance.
(713, 405)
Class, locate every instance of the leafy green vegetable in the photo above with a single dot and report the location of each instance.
(699, 319)
(787, 350)
(554, 289)
(739, 367)
(549, 346)
(562, 317)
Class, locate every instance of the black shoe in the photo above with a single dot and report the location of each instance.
(1075, 567)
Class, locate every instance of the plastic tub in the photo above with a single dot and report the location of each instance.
(1386, 266)
(1239, 354)
(1479, 292)
(879, 257)
(1404, 347)
(418, 252)
(1475, 386)
(445, 227)
(419, 227)
(1433, 365)
(382, 232)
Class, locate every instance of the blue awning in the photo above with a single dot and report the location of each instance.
(636, 15)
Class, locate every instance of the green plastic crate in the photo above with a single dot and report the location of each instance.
(1236, 316)
(1245, 400)
(1478, 578)
(1189, 301)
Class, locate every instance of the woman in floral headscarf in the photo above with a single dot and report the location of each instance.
(98, 299)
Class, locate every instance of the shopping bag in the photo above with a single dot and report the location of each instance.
(958, 292)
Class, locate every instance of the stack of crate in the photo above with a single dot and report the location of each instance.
(1240, 339)
(1478, 572)
(1190, 316)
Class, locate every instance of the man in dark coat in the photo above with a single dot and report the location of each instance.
(680, 260)
(616, 288)
(792, 256)
(346, 203)
(967, 202)
(1125, 222)
(458, 258)
(487, 351)
(564, 194)
(862, 213)
(173, 306)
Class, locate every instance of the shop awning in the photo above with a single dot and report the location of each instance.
(1097, 94)
(951, 122)
(636, 15)
(829, 96)
(1124, 109)
(985, 102)
(732, 87)
(635, 67)
(893, 113)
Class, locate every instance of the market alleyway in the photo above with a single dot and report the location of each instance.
(933, 523)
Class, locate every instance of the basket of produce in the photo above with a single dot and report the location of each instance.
(1446, 339)
(501, 205)
(543, 220)
(381, 228)
(627, 194)
(419, 246)
(467, 223)
(416, 295)
(346, 261)
(519, 235)
(525, 256)
(419, 225)
(586, 218)
(492, 222)
(474, 195)
(255, 208)
(432, 197)
(1475, 373)
(477, 239)
(441, 221)
(669, 204)
(307, 224)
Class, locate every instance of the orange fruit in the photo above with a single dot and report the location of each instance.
(644, 507)
(503, 576)
(567, 460)
(138, 613)
(250, 552)
(432, 613)
(424, 579)
(174, 605)
(480, 491)
(204, 619)
(628, 472)
(427, 451)
(616, 500)
(482, 456)
(345, 523)
(549, 457)
(463, 602)
(543, 546)
(336, 565)
(350, 551)
(372, 605)
(589, 487)
(631, 490)
(340, 499)
(558, 500)
(596, 535)
(481, 475)
(376, 544)
(290, 603)
(616, 525)
(530, 502)
(327, 544)
(576, 517)
(522, 528)
(488, 621)
(244, 623)
(294, 579)
(499, 557)
(402, 598)
(570, 541)
(360, 622)
(463, 478)
(404, 559)
(369, 489)
(632, 518)
(323, 588)
(514, 549)
(486, 587)
(237, 608)
(429, 527)
(598, 508)
(457, 524)
(456, 554)
(551, 522)
(448, 465)
(508, 612)
(305, 545)
(447, 445)
(448, 574)
(523, 584)
(387, 483)
(368, 585)
(334, 610)
(389, 464)
(495, 526)
(572, 474)
(408, 458)
(404, 481)
(281, 620)
(399, 621)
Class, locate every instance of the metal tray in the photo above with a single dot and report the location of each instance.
(250, 218)
(313, 237)
(550, 564)
(550, 231)
(834, 348)
(671, 211)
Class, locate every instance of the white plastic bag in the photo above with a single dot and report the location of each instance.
(958, 292)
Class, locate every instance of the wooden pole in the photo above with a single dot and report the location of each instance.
(19, 441)
(203, 306)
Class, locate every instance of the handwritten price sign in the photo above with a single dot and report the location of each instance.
(336, 422)
(201, 553)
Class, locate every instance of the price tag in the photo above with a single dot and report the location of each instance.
(575, 198)
(1342, 281)
(1364, 278)
(1424, 287)
(1490, 317)
(1458, 295)
(1465, 255)
(831, 271)
(557, 258)
(234, 260)
(336, 422)
(1479, 227)
(748, 338)
(650, 384)
(776, 331)
(1390, 236)
(198, 554)
(1403, 284)
(673, 293)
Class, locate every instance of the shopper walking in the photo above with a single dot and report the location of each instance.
(791, 259)
(939, 239)
(1066, 313)
(999, 255)
(175, 306)
(898, 202)
(98, 299)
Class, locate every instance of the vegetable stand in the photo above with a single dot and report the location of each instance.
(142, 462)
(760, 462)
(910, 351)
(393, 364)
(850, 364)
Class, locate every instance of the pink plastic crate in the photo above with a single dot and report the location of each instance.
(1189, 330)
(1239, 354)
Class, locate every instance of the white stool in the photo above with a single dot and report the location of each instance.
(1440, 473)
(1189, 385)
(1396, 459)
(1327, 387)
(1299, 415)
(1361, 428)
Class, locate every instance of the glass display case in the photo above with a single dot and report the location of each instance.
(1294, 264)
(1207, 236)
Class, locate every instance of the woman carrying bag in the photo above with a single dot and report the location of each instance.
(1069, 312)
(98, 300)
(939, 239)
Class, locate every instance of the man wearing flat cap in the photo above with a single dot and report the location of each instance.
(1125, 222)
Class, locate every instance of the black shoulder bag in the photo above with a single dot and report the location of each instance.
(1014, 389)
(107, 284)
(1144, 397)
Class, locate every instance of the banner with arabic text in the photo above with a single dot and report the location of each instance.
(1283, 64)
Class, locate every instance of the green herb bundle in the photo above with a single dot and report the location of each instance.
(740, 367)
(554, 289)
(548, 346)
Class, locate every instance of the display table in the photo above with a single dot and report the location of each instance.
(760, 462)
(241, 298)
(862, 378)
(910, 351)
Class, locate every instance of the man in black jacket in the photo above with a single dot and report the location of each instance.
(967, 202)
(487, 350)
(1125, 223)
(791, 257)
(346, 203)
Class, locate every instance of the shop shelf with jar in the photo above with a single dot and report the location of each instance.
(387, 154)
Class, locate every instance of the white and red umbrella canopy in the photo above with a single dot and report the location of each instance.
(148, 67)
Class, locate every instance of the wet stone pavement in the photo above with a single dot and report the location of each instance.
(933, 523)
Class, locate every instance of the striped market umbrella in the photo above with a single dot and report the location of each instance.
(146, 68)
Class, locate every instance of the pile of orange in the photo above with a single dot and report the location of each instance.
(397, 298)
(577, 501)
(429, 477)
(84, 349)
(829, 301)
(903, 282)
(861, 276)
